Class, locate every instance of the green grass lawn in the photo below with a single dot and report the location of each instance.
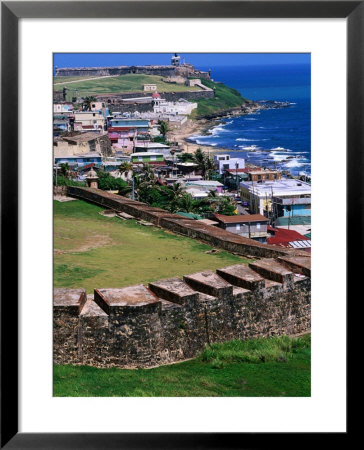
(94, 251)
(121, 83)
(276, 367)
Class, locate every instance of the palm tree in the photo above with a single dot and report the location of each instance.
(125, 168)
(186, 203)
(200, 160)
(209, 166)
(65, 169)
(176, 191)
(163, 128)
(88, 102)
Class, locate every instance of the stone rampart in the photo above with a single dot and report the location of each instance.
(211, 235)
(184, 70)
(172, 320)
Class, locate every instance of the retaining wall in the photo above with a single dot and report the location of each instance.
(214, 236)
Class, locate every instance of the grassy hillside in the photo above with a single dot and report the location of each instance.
(225, 98)
(91, 250)
(275, 367)
(113, 85)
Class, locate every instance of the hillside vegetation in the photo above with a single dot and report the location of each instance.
(225, 98)
(270, 367)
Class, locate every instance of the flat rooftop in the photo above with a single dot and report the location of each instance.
(152, 145)
(278, 187)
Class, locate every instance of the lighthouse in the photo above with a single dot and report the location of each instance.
(176, 60)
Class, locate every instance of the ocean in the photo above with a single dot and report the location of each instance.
(277, 138)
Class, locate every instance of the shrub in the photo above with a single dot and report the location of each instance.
(64, 181)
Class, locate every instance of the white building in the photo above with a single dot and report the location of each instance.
(183, 107)
(155, 147)
(290, 197)
(149, 87)
(224, 162)
(205, 185)
(62, 107)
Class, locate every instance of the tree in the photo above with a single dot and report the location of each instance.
(199, 159)
(226, 206)
(209, 167)
(88, 102)
(186, 203)
(125, 168)
(163, 128)
(212, 194)
(176, 191)
(65, 170)
(106, 182)
(186, 157)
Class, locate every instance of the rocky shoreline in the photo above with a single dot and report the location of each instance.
(204, 124)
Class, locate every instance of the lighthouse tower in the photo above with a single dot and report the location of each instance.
(176, 60)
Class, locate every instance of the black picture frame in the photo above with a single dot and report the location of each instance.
(11, 12)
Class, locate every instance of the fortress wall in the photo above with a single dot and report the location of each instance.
(67, 306)
(143, 329)
(112, 71)
(216, 237)
(164, 71)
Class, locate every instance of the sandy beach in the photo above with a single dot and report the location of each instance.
(194, 127)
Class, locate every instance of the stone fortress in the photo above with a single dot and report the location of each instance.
(175, 73)
(172, 320)
(175, 69)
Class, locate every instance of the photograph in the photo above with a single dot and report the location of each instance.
(181, 224)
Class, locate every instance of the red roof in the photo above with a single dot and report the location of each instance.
(156, 95)
(284, 237)
(241, 218)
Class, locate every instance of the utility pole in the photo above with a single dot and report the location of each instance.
(133, 189)
(236, 173)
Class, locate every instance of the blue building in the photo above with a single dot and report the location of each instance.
(79, 160)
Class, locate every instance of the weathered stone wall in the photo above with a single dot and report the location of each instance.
(216, 237)
(174, 319)
(164, 71)
(59, 190)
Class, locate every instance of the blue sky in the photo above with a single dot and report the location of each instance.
(197, 59)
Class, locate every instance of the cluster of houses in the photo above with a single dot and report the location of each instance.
(271, 209)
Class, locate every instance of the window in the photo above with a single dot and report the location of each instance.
(237, 227)
(258, 226)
